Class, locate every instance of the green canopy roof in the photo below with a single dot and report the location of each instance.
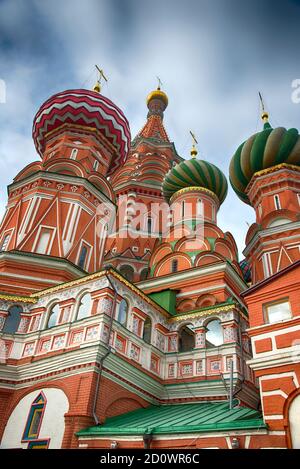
(181, 418)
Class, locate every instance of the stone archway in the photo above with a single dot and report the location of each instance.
(52, 425)
(294, 422)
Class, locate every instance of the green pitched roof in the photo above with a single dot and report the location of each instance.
(181, 418)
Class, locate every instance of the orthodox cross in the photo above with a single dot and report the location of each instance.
(264, 113)
(261, 101)
(159, 83)
(101, 73)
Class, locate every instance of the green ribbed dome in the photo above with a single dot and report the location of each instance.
(263, 150)
(195, 173)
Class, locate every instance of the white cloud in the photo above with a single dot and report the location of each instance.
(212, 58)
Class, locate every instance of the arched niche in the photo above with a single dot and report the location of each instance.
(186, 338)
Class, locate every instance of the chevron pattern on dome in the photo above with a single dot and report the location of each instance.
(195, 173)
(87, 108)
(263, 150)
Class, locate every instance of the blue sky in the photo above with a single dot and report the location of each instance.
(213, 56)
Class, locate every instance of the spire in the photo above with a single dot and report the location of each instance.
(264, 113)
(157, 102)
(194, 151)
(97, 86)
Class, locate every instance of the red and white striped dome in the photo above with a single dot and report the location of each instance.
(87, 108)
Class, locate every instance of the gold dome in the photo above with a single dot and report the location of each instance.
(157, 94)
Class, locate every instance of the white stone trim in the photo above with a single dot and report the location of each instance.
(277, 392)
(274, 417)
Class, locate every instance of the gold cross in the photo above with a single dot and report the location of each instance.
(193, 137)
(159, 83)
(264, 114)
(101, 73)
(97, 86)
(194, 151)
(261, 101)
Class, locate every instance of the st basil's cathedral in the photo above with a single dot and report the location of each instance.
(127, 319)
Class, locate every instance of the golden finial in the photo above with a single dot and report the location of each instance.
(97, 86)
(158, 94)
(194, 151)
(264, 113)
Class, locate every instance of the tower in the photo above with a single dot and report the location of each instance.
(137, 185)
(264, 172)
(52, 230)
(194, 273)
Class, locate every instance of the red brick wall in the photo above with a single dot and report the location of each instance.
(113, 399)
(263, 345)
(255, 442)
(285, 286)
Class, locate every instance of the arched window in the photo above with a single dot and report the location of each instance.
(122, 312)
(85, 304)
(277, 202)
(199, 207)
(74, 154)
(147, 331)
(214, 333)
(186, 339)
(5, 242)
(143, 274)
(127, 272)
(53, 316)
(82, 257)
(294, 422)
(174, 266)
(183, 208)
(149, 225)
(12, 320)
(213, 211)
(33, 424)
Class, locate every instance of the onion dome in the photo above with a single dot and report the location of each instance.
(84, 108)
(157, 102)
(246, 270)
(263, 150)
(195, 173)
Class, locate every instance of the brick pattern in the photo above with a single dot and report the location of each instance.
(263, 345)
(112, 400)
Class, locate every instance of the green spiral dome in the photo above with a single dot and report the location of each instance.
(265, 149)
(195, 173)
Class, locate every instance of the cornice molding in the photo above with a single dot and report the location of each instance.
(17, 299)
(64, 178)
(207, 312)
(97, 276)
(194, 189)
(40, 259)
(260, 234)
(192, 273)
